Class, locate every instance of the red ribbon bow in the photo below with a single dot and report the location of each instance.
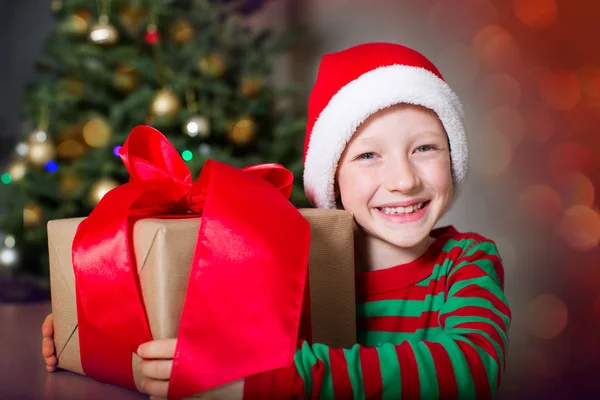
(244, 296)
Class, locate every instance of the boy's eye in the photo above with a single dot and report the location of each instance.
(366, 156)
(424, 148)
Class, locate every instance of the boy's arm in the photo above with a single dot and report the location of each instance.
(465, 360)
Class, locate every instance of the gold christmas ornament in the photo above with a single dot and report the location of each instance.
(182, 31)
(131, 17)
(100, 188)
(69, 149)
(32, 215)
(125, 78)
(165, 103)
(73, 86)
(213, 65)
(17, 170)
(251, 86)
(97, 132)
(243, 131)
(41, 152)
(56, 5)
(79, 22)
(68, 183)
(103, 32)
(197, 126)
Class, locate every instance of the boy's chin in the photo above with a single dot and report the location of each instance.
(408, 239)
(407, 242)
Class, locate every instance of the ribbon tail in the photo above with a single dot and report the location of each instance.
(112, 321)
(244, 298)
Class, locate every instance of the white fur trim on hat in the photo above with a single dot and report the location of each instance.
(359, 99)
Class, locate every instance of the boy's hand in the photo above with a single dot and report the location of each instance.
(48, 351)
(156, 365)
(156, 369)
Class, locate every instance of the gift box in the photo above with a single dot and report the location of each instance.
(165, 249)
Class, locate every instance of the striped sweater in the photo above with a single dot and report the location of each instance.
(433, 328)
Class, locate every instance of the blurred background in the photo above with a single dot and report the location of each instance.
(229, 80)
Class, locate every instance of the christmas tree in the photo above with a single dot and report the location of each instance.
(193, 69)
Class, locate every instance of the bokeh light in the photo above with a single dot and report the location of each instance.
(577, 189)
(70, 149)
(567, 158)
(187, 155)
(580, 227)
(116, 150)
(541, 203)
(22, 149)
(39, 136)
(547, 316)
(17, 170)
(560, 90)
(541, 125)
(6, 178)
(506, 121)
(8, 257)
(589, 78)
(51, 166)
(9, 241)
(496, 48)
(500, 89)
(536, 14)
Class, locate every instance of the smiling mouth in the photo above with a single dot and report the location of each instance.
(403, 210)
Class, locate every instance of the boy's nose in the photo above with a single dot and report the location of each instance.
(401, 176)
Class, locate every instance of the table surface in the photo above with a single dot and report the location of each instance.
(22, 372)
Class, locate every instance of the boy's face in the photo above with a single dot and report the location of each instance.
(395, 175)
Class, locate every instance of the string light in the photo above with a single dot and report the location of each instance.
(22, 149)
(187, 155)
(116, 150)
(6, 178)
(51, 166)
(40, 136)
(8, 257)
(9, 241)
(204, 149)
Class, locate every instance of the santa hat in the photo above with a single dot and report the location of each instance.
(357, 82)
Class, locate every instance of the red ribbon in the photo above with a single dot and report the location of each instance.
(244, 296)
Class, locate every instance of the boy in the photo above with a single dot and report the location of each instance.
(385, 140)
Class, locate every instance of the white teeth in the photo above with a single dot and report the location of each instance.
(401, 210)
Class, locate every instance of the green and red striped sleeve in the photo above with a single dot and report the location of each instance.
(465, 359)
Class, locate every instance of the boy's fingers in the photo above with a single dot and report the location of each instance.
(163, 348)
(48, 326)
(50, 368)
(51, 361)
(155, 387)
(47, 347)
(156, 369)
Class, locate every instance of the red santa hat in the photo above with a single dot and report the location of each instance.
(357, 82)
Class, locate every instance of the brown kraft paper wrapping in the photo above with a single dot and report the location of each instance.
(164, 249)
